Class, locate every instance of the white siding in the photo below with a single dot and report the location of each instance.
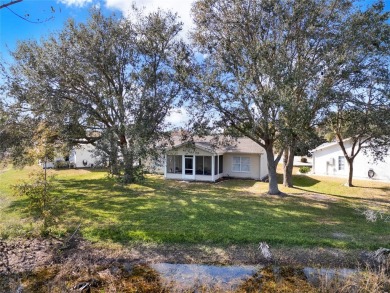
(83, 153)
(326, 162)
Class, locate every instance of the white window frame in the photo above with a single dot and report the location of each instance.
(241, 164)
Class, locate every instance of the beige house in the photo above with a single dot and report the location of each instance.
(202, 161)
(198, 161)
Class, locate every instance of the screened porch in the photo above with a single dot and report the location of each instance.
(194, 167)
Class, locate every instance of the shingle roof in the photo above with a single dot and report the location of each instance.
(240, 145)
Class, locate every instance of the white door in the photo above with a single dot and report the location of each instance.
(188, 169)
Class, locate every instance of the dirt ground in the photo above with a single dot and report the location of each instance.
(53, 265)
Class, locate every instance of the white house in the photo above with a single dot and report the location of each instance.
(328, 159)
(80, 156)
(202, 161)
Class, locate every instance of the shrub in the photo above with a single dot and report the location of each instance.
(41, 200)
(304, 169)
(61, 164)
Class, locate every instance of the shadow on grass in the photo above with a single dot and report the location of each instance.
(304, 181)
(202, 213)
(385, 201)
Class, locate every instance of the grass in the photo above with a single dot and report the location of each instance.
(318, 212)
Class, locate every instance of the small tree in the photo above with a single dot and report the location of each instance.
(39, 191)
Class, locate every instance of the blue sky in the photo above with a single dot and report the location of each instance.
(52, 14)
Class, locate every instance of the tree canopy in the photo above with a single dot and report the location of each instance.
(110, 74)
(360, 112)
(269, 67)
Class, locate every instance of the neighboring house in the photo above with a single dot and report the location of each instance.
(328, 159)
(79, 157)
(202, 161)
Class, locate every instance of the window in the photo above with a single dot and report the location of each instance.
(341, 163)
(241, 164)
(203, 165)
(174, 164)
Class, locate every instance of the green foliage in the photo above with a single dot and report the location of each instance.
(359, 116)
(61, 164)
(271, 67)
(304, 169)
(39, 191)
(109, 78)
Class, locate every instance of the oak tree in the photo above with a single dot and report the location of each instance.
(109, 75)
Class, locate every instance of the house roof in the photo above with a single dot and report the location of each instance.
(327, 145)
(323, 146)
(209, 143)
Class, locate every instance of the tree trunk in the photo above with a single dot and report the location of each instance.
(128, 159)
(114, 168)
(288, 164)
(350, 172)
(273, 180)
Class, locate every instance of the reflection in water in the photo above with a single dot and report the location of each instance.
(314, 275)
(190, 276)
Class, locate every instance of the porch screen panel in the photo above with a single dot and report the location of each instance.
(215, 165)
(207, 165)
(199, 165)
(174, 164)
(203, 165)
(178, 164)
(220, 164)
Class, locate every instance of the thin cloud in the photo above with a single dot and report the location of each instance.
(78, 3)
(177, 117)
(182, 8)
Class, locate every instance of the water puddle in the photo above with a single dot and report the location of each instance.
(314, 274)
(190, 276)
(185, 277)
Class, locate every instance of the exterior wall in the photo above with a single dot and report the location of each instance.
(82, 154)
(257, 167)
(155, 166)
(325, 162)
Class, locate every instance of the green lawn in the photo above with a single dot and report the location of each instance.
(319, 212)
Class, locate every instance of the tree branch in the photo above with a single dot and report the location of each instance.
(10, 3)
